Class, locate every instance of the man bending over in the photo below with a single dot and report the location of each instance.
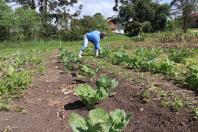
(93, 37)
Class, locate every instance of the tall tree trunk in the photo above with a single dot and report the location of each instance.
(185, 20)
(187, 11)
(184, 25)
(45, 11)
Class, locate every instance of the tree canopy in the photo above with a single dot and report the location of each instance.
(185, 8)
(142, 15)
(6, 21)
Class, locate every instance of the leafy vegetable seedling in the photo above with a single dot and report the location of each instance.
(177, 104)
(89, 96)
(99, 120)
(145, 96)
(87, 71)
(106, 83)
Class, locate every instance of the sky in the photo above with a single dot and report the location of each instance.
(90, 7)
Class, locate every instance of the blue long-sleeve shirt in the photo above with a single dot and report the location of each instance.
(94, 37)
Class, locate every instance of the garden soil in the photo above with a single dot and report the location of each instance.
(49, 100)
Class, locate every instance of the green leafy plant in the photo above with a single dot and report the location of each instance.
(165, 103)
(69, 59)
(145, 95)
(143, 58)
(106, 83)
(120, 57)
(99, 120)
(87, 71)
(179, 55)
(177, 104)
(16, 82)
(196, 113)
(89, 96)
(165, 67)
(16, 68)
(147, 54)
(4, 107)
(104, 53)
(192, 78)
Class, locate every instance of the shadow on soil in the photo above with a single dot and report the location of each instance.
(78, 81)
(74, 106)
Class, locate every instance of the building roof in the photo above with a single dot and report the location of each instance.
(194, 14)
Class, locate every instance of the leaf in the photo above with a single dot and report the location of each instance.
(101, 94)
(114, 83)
(87, 94)
(90, 96)
(99, 121)
(84, 90)
(11, 69)
(86, 71)
(106, 83)
(77, 123)
(119, 120)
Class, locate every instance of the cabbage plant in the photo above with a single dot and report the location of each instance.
(99, 120)
(107, 83)
(89, 96)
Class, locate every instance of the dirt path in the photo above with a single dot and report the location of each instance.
(49, 101)
(43, 103)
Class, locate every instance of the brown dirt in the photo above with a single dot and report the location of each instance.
(49, 101)
(43, 103)
(149, 117)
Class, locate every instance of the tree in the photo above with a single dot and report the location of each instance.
(100, 22)
(142, 15)
(97, 22)
(159, 20)
(6, 21)
(185, 8)
(78, 27)
(51, 11)
(28, 23)
(50, 8)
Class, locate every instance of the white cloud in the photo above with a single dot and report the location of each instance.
(90, 7)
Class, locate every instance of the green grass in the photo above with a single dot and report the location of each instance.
(193, 30)
(50, 44)
(111, 37)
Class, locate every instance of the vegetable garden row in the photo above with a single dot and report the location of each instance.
(98, 119)
(179, 65)
(16, 70)
(173, 63)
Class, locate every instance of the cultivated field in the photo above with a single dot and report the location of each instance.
(147, 83)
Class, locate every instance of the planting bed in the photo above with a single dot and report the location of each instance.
(146, 116)
(158, 101)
